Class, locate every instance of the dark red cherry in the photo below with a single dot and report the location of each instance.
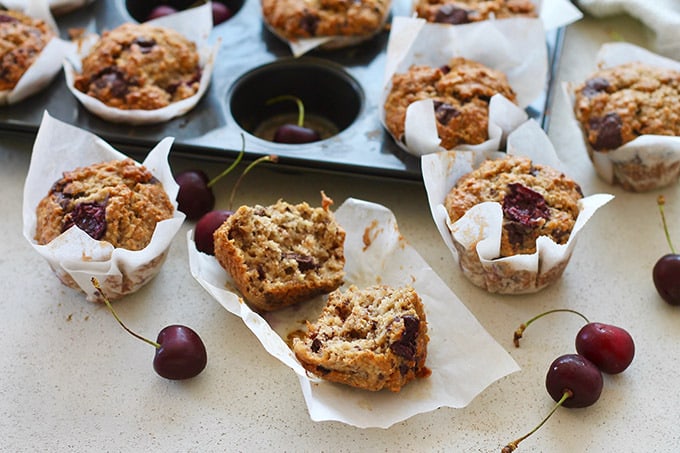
(292, 133)
(666, 276)
(205, 227)
(610, 348)
(220, 13)
(181, 354)
(574, 373)
(195, 197)
(161, 11)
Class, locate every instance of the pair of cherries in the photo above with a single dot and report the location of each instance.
(575, 380)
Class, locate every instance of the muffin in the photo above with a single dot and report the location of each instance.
(22, 39)
(536, 200)
(373, 338)
(460, 91)
(616, 105)
(465, 11)
(116, 201)
(282, 254)
(140, 67)
(346, 22)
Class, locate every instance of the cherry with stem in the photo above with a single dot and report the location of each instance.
(179, 351)
(666, 271)
(195, 196)
(294, 133)
(609, 347)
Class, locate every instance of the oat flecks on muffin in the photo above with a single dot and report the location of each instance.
(373, 338)
(617, 104)
(282, 254)
(460, 90)
(140, 66)
(299, 19)
(465, 11)
(22, 38)
(117, 201)
(537, 200)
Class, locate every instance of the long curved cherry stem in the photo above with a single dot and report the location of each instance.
(233, 165)
(512, 446)
(661, 202)
(95, 283)
(520, 330)
(269, 158)
(297, 100)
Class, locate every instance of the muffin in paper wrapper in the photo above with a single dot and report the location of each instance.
(463, 357)
(47, 64)
(196, 25)
(476, 237)
(74, 256)
(648, 162)
(515, 47)
(552, 13)
(299, 47)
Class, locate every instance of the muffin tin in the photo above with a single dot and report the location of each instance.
(340, 89)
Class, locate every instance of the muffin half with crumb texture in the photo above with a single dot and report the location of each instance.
(282, 254)
(373, 338)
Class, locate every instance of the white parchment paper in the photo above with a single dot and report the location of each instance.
(74, 256)
(56, 6)
(645, 150)
(47, 65)
(193, 23)
(514, 46)
(463, 357)
(480, 228)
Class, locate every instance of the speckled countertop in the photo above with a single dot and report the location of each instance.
(72, 380)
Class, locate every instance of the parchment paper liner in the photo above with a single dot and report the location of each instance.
(514, 46)
(57, 7)
(300, 47)
(463, 357)
(552, 13)
(649, 161)
(475, 238)
(74, 256)
(195, 24)
(47, 65)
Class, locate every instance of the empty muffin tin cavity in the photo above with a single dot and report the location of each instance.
(332, 98)
(140, 10)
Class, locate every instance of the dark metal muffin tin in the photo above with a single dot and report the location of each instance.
(253, 65)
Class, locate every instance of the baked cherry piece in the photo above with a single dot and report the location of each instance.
(294, 133)
(666, 271)
(609, 347)
(180, 352)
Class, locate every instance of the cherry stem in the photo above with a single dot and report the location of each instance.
(269, 158)
(520, 330)
(297, 100)
(95, 283)
(233, 164)
(512, 446)
(661, 201)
